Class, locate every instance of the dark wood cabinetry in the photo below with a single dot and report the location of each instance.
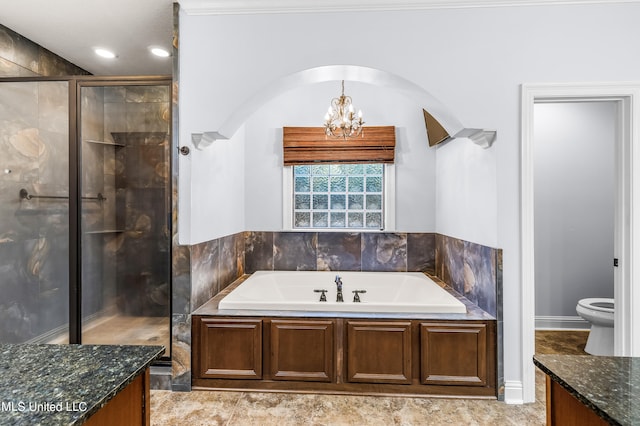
(229, 348)
(379, 351)
(456, 358)
(453, 354)
(129, 407)
(302, 350)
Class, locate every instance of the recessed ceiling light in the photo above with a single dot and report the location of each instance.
(158, 51)
(105, 53)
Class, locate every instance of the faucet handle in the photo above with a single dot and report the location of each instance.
(356, 295)
(323, 296)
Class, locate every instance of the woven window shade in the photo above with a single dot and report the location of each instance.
(309, 145)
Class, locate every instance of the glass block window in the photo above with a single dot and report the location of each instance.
(338, 196)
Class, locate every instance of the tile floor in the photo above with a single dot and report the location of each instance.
(124, 330)
(283, 409)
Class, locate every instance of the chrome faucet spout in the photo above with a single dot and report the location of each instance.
(339, 297)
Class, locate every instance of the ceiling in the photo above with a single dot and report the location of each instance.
(73, 28)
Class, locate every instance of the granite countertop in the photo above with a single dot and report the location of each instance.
(210, 308)
(65, 384)
(610, 386)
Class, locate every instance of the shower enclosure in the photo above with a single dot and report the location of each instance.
(85, 210)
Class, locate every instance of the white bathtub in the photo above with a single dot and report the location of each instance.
(385, 292)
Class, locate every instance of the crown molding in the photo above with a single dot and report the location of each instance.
(239, 7)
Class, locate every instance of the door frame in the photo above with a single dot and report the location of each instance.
(627, 230)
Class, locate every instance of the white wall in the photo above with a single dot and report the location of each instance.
(216, 190)
(466, 188)
(306, 106)
(472, 60)
(574, 204)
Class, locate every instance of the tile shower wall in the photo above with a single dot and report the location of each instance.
(20, 57)
(138, 118)
(34, 234)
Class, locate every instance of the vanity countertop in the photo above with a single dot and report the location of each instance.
(610, 386)
(65, 384)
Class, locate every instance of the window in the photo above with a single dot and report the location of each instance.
(338, 196)
(335, 184)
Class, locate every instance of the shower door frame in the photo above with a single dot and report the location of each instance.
(75, 270)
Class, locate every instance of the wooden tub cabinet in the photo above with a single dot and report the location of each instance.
(345, 355)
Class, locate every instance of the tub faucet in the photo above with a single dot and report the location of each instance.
(356, 295)
(339, 287)
(323, 296)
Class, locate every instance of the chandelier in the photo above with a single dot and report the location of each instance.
(341, 121)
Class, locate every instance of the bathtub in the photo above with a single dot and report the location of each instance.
(385, 292)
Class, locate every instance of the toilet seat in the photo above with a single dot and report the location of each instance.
(598, 304)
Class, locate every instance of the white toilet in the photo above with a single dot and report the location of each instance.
(599, 312)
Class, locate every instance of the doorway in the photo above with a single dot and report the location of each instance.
(627, 187)
(574, 208)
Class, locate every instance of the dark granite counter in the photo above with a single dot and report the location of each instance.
(65, 384)
(610, 386)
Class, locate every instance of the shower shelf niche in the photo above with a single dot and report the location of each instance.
(106, 231)
(114, 144)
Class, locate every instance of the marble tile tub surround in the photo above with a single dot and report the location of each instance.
(199, 272)
(471, 269)
(203, 270)
(340, 251)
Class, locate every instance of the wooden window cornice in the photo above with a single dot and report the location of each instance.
(310, 145)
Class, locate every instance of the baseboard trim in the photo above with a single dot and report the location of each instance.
(513, 392)
(561, 323)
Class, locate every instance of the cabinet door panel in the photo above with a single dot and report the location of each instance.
(379, 352)
(302, 350)
(230, 348)
(453, 354)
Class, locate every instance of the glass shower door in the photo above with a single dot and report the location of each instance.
(34, 211)
(125, 215)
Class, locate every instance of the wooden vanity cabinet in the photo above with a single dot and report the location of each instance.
(379, 352)
(228, 348)
(440, 357)
(302, 350)
(453, 354)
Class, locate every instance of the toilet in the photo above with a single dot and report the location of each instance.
(599, 312)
